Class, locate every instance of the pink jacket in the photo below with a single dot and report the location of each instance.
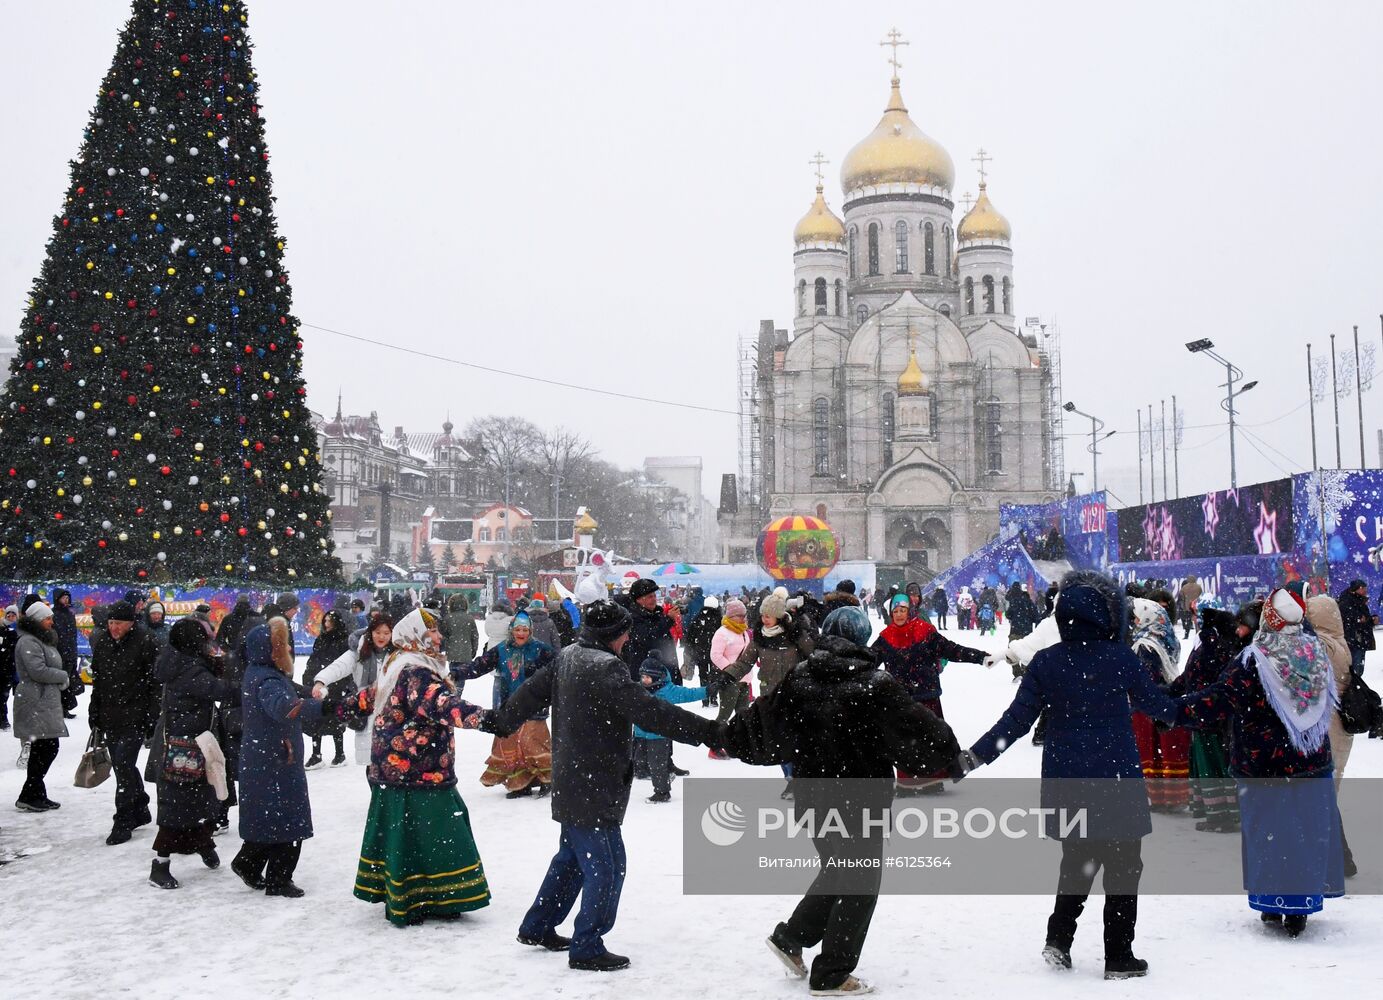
(726, 646)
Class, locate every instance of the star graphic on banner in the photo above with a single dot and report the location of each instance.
(1211, 508)
(1359, 557)
(1265, 535)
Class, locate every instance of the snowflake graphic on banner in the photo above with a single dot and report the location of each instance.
(1327, 495)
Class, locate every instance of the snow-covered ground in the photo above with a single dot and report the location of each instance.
(79, 920)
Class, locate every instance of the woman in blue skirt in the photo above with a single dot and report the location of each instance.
(1279, 697)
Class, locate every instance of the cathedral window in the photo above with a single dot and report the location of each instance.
(873, 248)
(929, 248)
(1008, 297)
(861, 314)
(854, 231)
(887, 427)
(969, 296)
(819, 296)
(802, 297)
(840, 297)
(989, 293)
(946, 231)
(821, 436)
(900, 247)
(994, 437)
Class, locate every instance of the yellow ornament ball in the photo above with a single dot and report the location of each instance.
(177, 529)
(62, 492)
(134, 481)
(38, 545)
(47, 440)
(96, 349)
(158, 535)
(86, 480)
(96, 405)
(273, 552)
(110, 295)
(229, 568)
(138, 436)
(192, 321)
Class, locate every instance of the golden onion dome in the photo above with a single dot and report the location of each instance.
(820, 224)
(897, 152)
(912, 382)
(585, 524)
(983, 222)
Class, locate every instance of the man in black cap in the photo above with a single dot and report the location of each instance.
(594, 702)
(123, 708)
(650, 632)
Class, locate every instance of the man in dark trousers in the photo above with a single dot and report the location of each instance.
(1359, 622)
(8, 637)
(650, 632)
(124, 707)
(65, 625)
(593, 702)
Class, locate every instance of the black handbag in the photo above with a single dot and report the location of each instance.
(1360, 706)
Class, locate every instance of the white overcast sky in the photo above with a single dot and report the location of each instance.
(605, 193)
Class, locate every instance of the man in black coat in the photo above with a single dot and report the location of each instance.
(1359, 622)
(593, 702)
(65, 625)
(8, 637)
(124, 707)
(650, 632)
(696, 640)
(845, 726)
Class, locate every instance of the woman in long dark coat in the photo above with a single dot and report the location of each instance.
(190, 674)
(275, 814)
(331, 643)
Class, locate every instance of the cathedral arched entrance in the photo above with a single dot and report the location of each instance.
(920, 541)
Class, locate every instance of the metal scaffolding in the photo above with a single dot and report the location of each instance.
(751, 477)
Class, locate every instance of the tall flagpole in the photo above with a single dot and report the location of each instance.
(1176, 461)
(1359, 391)
(1311, 397)
(1335, 391)
(1140, 456)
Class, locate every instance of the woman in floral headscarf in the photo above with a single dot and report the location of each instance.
(1280, 696)
(522, 761)
(1164, 753)
(418, 856)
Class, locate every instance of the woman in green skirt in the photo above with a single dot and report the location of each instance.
(418, 857)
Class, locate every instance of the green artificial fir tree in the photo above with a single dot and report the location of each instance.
(156, 419)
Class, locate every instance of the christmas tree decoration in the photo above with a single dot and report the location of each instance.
(160, 363)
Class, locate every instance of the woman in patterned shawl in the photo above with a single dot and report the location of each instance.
(418, 856)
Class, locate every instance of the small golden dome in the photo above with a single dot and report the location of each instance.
(820, 224)
(912, 382)
(897, 152)
(983, 222)
(585, 524)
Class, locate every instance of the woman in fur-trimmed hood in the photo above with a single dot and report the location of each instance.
(275, 813)
(1085, 683)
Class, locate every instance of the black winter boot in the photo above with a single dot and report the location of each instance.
(1125, 968)
(209, 857)
(160, 876)
(1294, 924)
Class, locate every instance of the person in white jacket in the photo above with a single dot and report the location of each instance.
(362, 662)
(496, 624)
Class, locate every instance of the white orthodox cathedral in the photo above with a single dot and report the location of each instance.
(905, 404)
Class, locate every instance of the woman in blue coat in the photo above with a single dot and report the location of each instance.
(1089, 762)
(275, 815)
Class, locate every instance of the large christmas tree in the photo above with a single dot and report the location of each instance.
(156, 423)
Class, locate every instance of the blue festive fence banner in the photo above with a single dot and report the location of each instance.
(180, 601)
(1250, 520)
(996, 565)
(1339, 522)
(1235, 580)
(1073, 529)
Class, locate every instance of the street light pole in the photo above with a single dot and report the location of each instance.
(1096, 425)
(1232, 375)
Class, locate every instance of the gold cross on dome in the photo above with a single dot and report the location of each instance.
(818, 161)
(895, 39)
(969, 200)
(981, 158)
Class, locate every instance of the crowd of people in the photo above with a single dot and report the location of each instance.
(585, 702)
